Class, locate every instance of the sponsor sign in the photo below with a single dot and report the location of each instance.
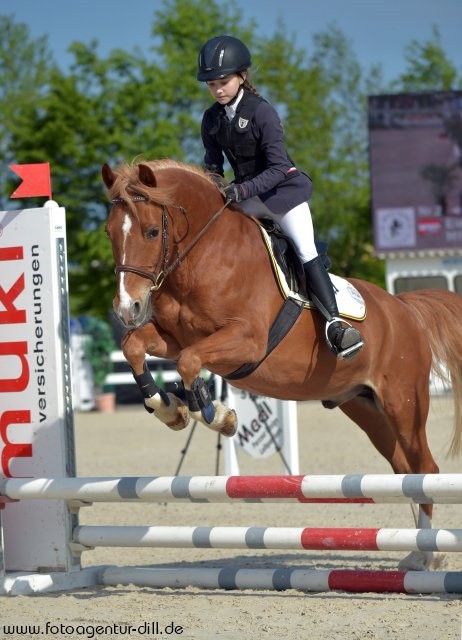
(415, 143)
(266, 427)
(36, 419)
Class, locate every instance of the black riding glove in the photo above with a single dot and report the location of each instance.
(233, 193)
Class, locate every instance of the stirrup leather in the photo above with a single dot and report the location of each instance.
(349, 352)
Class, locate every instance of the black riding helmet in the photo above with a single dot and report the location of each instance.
(221, 56)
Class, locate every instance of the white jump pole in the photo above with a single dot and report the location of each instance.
(309, 580)
(202, 537)
(380, 488)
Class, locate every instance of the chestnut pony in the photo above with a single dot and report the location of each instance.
(195, 285)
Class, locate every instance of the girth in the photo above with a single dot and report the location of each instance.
(285, 320)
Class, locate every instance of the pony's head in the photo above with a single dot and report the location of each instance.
(146, 224)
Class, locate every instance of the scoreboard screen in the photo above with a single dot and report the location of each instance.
(415, 158)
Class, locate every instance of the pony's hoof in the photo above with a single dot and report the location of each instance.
(228, 423)
(181, 420)
(224, 420)
(175, 415)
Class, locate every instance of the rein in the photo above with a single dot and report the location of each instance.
(157, 279)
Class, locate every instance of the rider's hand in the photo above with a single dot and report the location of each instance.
(233, 193)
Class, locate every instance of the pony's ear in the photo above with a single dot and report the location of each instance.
(147, 176)
(108, 175)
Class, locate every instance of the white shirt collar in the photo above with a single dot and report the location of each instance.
(231, 109)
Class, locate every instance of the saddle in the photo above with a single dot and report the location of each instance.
(287, 257)
(290, 276)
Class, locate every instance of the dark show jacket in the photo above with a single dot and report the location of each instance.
(253, 143)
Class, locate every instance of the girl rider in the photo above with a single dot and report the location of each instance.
(247, 129)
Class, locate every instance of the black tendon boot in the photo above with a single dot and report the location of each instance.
(344, 341)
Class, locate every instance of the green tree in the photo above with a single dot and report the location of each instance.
(428, 67)
(130, 104)
(24, 69)
(323, 102)
(180, 28)
(63, 127)
(148, 103)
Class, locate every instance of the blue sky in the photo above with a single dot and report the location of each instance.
(378, 29)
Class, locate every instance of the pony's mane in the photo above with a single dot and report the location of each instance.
(127, 183)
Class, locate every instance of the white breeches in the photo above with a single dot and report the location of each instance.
(297, 225)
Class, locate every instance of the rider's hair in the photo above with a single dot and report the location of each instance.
(247, 84)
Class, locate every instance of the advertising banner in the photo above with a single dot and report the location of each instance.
(36, 419)
(266, 427)
(415, 144)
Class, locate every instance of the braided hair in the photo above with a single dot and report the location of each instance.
(247, 84)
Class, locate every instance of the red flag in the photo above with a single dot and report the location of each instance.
(36, 180)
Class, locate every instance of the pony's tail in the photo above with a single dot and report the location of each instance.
(440, 315)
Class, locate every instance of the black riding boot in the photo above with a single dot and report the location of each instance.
(344, 342)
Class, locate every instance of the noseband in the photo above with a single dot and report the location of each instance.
(157, 276)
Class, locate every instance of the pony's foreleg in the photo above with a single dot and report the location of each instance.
(167, 407)
(212, 413)
(231, 345)
(419, 560)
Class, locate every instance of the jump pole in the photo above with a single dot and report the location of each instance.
(295, 538)
(282, 579)
(362, 488)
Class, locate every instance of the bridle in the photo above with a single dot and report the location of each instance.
(163, 268)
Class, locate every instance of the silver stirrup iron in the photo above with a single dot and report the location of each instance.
(349, 352)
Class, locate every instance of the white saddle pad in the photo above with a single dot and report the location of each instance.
(349, 301)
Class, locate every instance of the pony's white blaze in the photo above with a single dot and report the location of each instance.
(124, 297)
(126, 228)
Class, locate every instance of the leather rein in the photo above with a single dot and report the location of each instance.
(157, 276)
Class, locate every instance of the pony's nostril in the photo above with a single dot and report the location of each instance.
(132, 312)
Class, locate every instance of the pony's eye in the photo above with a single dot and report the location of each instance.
(152, 232)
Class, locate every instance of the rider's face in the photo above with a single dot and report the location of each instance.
(225, 89)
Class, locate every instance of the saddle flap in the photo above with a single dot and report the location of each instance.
(287, 267)
(287, 257)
